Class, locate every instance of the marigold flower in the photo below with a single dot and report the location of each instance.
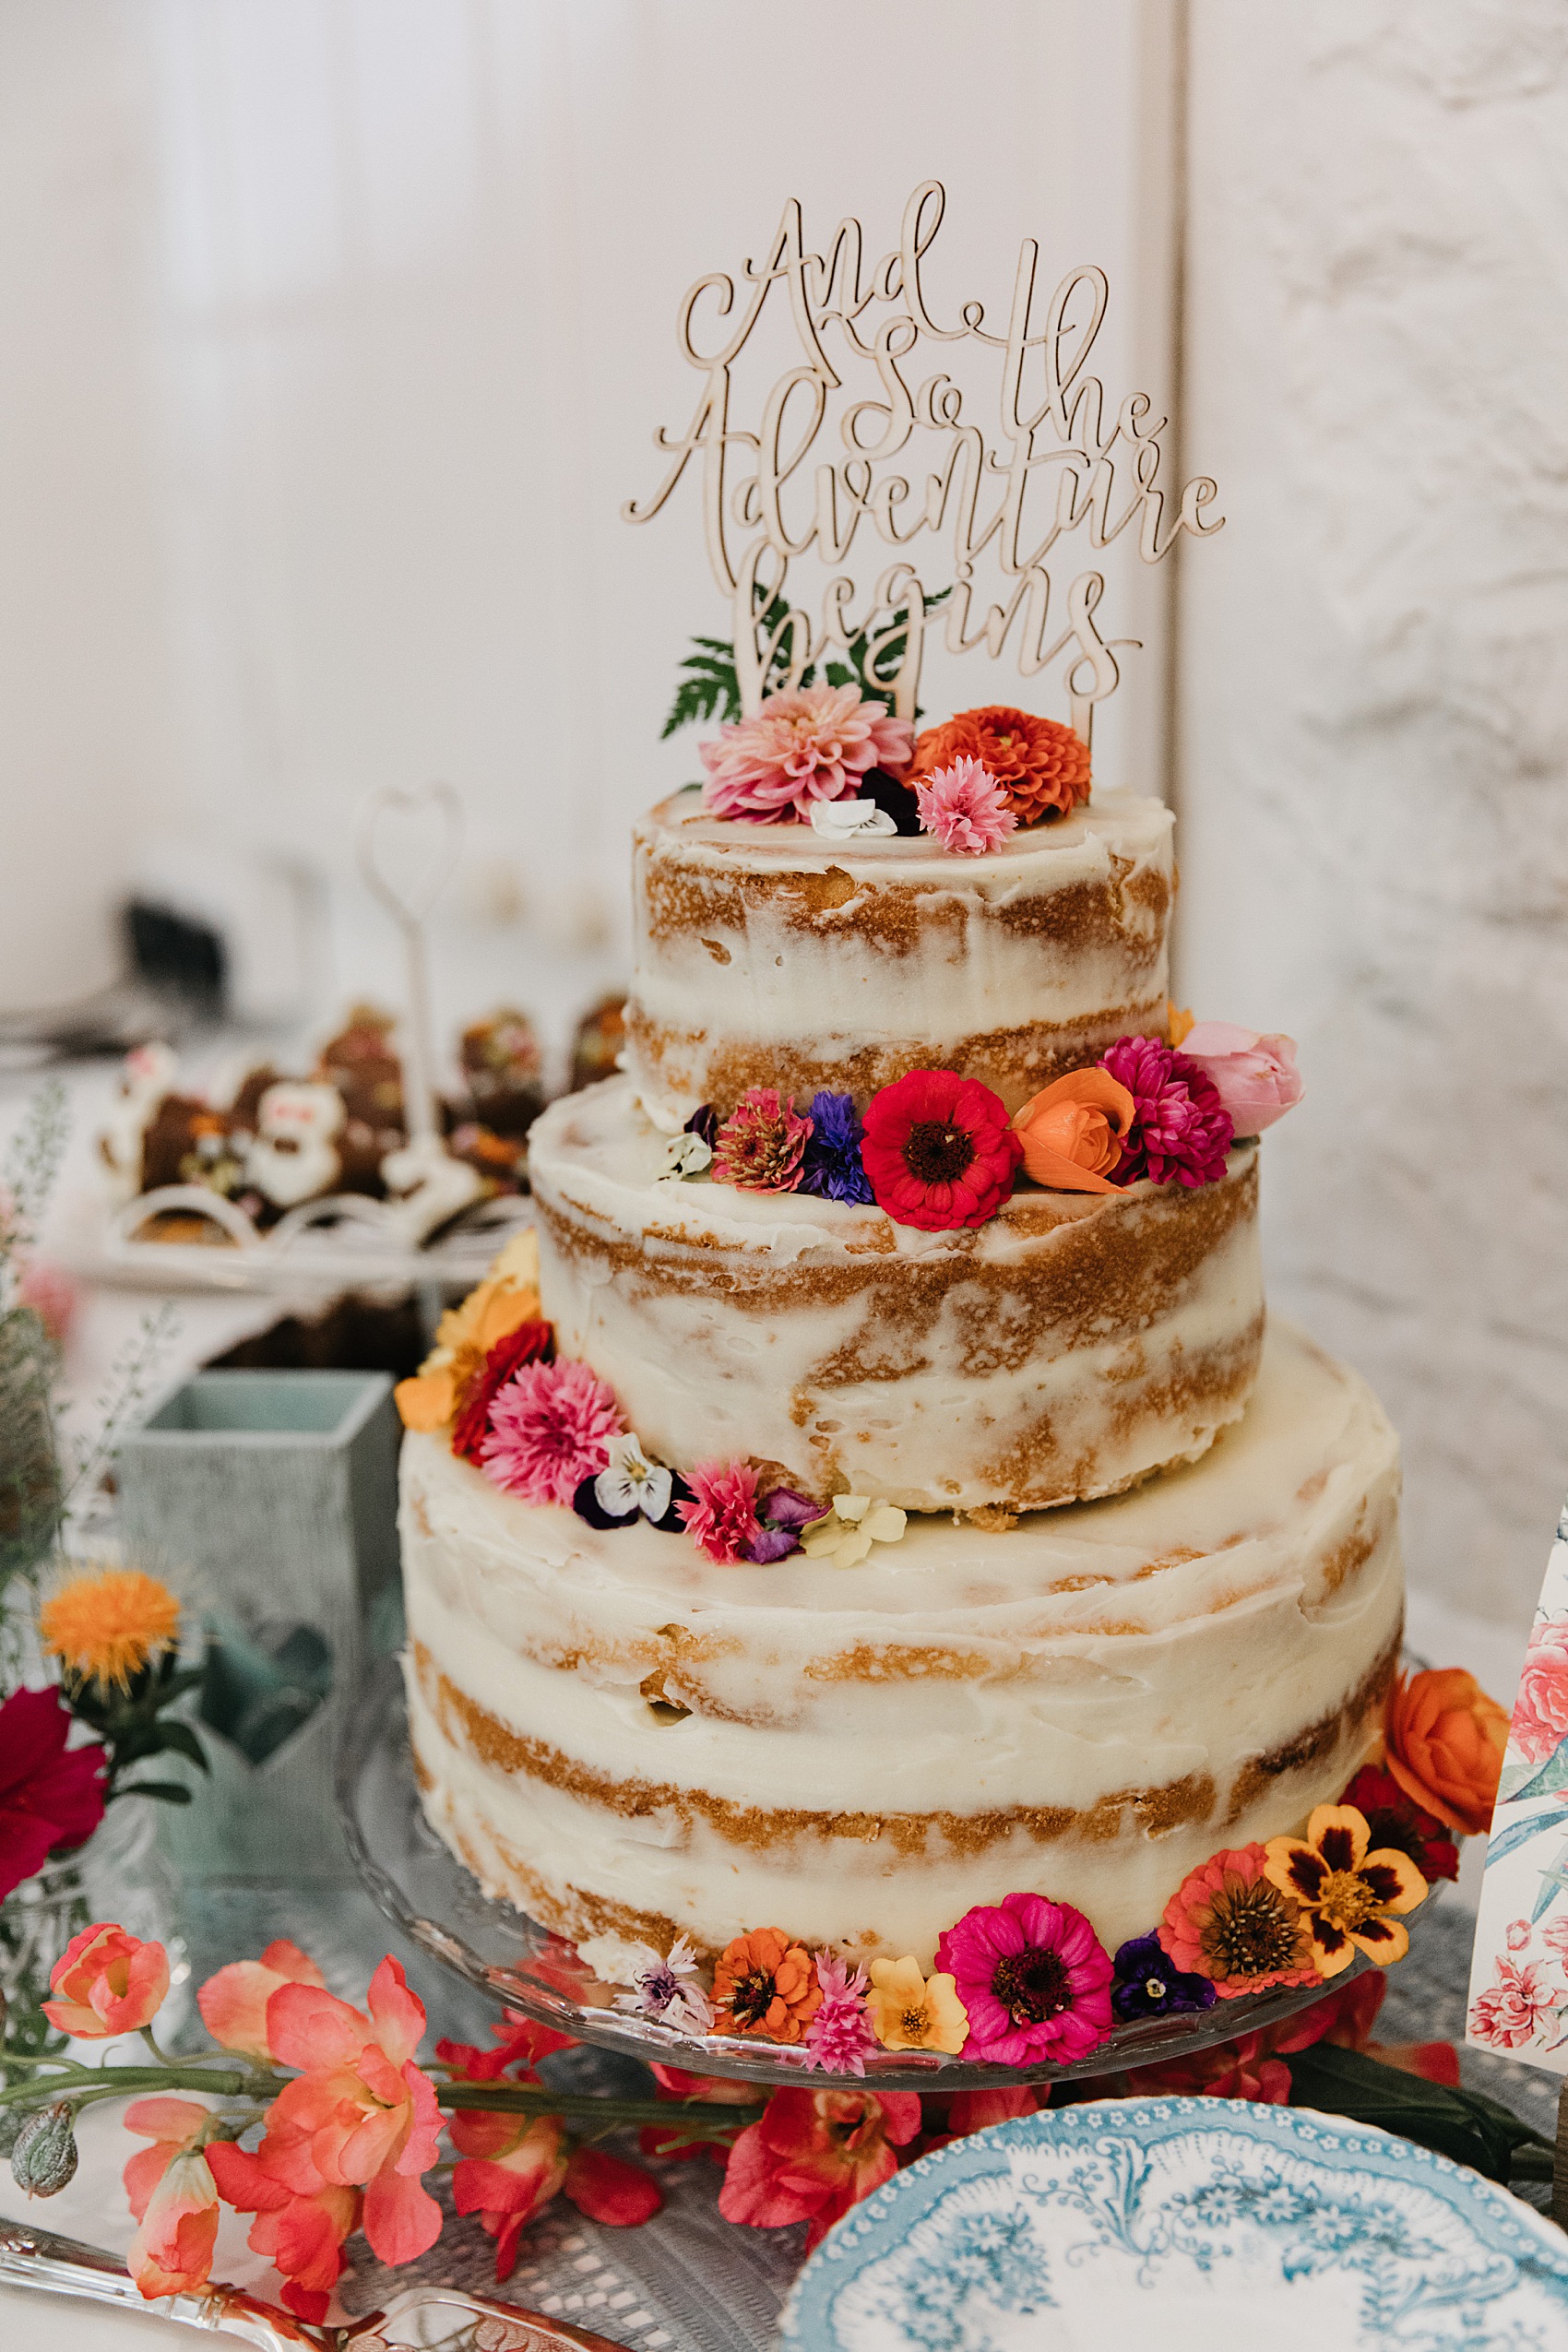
(108, 1626)
(965, 808)
(813, 2154)
(1042, 766)
(813, 744)
(765, 1984)
(852, 1523)
(551, 1427)
(1072, 1132)
(721, 1517)
(174, 2196)
(1033, 1977)
(761, 1145)
(233, 2002)
(1444, 1741)
(939, 1150)
(1229, 1922)
(50, 1796)
(909, 2012)
(1180, 1130)
(107, 1982)
(1394, 1819)
(1351, 1897)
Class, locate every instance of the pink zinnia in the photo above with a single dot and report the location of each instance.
(1540, 1711)
(721, 1517)
(1515, 2010)
(839, 2037)
(814, 744)
(1034, 1977)
(965, 807)
(1181, 1129)
(550, 1429)
(760, 1146)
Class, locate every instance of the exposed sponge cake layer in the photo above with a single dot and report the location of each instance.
(767, 956)
(614, 1732)
(1071, 1344)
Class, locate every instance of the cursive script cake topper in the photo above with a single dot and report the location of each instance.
(911, 460)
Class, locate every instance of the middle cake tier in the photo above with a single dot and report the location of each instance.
(1063, 1350)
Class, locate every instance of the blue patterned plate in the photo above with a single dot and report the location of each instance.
(1184, 2226)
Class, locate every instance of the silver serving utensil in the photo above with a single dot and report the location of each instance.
(422, 2319)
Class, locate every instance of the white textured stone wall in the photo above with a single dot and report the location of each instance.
(1375, 693)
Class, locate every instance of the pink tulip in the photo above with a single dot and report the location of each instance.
(174, 2196)
(1256, 1077)
(109, 1983)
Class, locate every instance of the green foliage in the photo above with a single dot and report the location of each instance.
(27, 1179)
(711, 691)
(131, 1725)
(1464, 2125)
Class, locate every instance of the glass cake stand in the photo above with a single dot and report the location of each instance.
(428, 1894)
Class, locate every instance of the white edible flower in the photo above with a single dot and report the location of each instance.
(841, 820)
(853, 1523)
(683, 1155)
(629, 1482)
(669, 1991)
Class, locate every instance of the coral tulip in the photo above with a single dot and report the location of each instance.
(108, 1982)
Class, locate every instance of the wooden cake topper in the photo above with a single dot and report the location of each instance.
(911, 459)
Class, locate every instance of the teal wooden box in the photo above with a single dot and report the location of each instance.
(269, 1498)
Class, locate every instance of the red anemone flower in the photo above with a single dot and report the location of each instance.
(939, 1150)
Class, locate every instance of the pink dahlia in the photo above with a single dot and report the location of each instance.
(839, 2037)
(965, 808)
(1034, 1977)
(814, 744)
(1517, 2009)
(761, 1144)
(721, 1517)
(1540, 1711)
(1181, 1129)
(550, 1429)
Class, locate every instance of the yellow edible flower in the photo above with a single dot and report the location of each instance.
(854, 1522)
(1177, 1021)
(508, 1296)
(907, 2012)
(107, 1626)
(1352, 1899)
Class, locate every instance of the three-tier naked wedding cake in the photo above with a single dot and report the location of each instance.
(928, 1513)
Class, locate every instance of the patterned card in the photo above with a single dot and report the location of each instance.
(1519, 1973)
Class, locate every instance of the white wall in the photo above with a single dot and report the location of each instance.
(1375, 836)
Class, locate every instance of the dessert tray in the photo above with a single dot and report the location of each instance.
(425, 1891)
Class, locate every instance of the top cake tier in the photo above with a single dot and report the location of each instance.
(770, 955)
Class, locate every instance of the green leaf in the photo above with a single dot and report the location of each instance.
(1464, 2125)
(178, 1739)
(168, 1792)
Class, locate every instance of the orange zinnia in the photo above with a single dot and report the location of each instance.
(107, 1627)
(765, 1984)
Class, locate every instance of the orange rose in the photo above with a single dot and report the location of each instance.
(1446, 1740)
(765, 1984)
(1041, 765)
(1072, 1132)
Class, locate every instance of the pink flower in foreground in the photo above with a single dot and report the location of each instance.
(722, 1517)
(965, 808)
(171, 2190)
(1034, 1977)
(1181, 1128)
(108, 1982)
(814, 744)
(1518, 2008)
(550, 1429)
(1540, 1711)
(759, 1147)
(233, 2002)
(302, 2236)
(361, 2114)
(839, 2038)
(813, 2154)
(49, 1795)
(1256, 1077)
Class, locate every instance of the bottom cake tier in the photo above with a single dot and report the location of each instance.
(620, 1736)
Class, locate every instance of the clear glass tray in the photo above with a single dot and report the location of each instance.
(425, 1890)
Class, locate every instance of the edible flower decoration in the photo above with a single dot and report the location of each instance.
(464, 1337)
(1072, 1133)
(1351, 1897)
(766, 1984)
(1181, 1130)
(853, 1523)
(939, 1150)
(1255, 1077)
(726, 1518)
(1034, 1978)
(965, 808)
(1148, 1983)
(759, 1147)
(831, 1165)
(1395, 1819)
(630, 1488)
(839, 2038)
(1041, 767)
(799, 748)
(669, 1991)
(530, 1343)
(552, 1427)
(843, 820)
(1230, 1921)
(910, 2010)
(1443, 1741)
(684, 1154)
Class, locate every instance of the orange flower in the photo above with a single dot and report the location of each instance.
(108, 1982)
(174, 2196)
(765, 1984)
(1229, 1922)
(1178, 1022)
(1351, 1897)
(1446, 1740)
(107, 1627)
(508, 1296)
(233, 2002)
(1042, 766)
(1072, 1132)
